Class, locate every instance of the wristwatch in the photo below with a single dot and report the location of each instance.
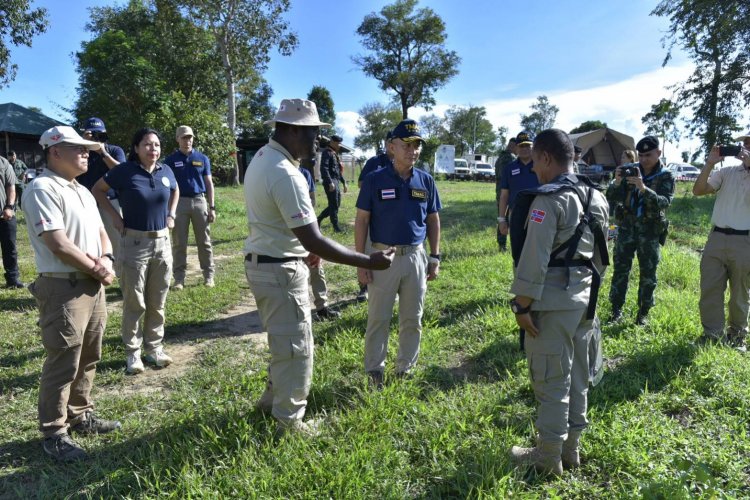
(109, 256)
(8, 205)
(517, 308)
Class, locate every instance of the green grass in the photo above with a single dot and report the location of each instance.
(668, 421)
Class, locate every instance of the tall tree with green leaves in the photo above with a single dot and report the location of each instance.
(589, 126)
(470, 130)
(19, 24)
(660, 121)
(543, 115)
(244, 33)
(321, 96)
(716, 36)
(375, 121)
(407, 54)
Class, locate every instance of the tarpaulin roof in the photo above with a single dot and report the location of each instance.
(16, 119)
(603, 146)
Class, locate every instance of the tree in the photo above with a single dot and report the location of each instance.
(244, 33)
(18, 25)
(407, 53)
(660, 121)
(588, 126)
(470, 131)
(321, 96)
(253, 109)
(502, 139)
(716, 36)
(542, 116)
(375, 121)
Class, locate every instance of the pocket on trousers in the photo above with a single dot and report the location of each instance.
(545, 367)
(262, 278)
(302, 305)
(59, 331)
(285, 347)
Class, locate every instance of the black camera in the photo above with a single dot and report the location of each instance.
(629, 172)
(729, 150)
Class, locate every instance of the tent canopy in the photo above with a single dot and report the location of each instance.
(603, 146)
(16, 119)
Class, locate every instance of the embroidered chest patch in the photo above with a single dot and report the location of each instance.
(418, 194)
(197, 163)
(178, 164)
(537, 216)
(515, 171)
(388, 194)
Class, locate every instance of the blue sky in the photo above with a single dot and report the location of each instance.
(595, 60)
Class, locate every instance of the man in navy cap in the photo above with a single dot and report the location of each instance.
(641, 194)
(101, 160)
(398, 207)
(516, 176)
(332, 175)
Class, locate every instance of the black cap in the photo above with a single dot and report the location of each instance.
(513, 140)
(577, 149)
(525, 137)
(389, 136)
(407, 131)
(648, 143)
(337, 138)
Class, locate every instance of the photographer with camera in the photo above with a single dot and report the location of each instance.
(101, 160)
(726, 256)
(641, 193)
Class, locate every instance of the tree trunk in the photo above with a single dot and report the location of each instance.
(711, 125)
(404, 108)
(231, 110)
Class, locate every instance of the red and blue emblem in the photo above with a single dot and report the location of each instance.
(537, 216)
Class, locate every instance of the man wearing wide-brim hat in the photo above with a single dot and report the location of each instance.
(284, 239)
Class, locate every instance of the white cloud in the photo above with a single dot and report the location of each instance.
(621, 105)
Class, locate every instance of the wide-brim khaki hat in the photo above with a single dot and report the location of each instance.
(299, 112)
(742, 137)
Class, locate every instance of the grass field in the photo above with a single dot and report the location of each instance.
(669, 420)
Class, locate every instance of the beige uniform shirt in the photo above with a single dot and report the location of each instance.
(277, 200)
(552, 221)
(52, 203)
(732, 206)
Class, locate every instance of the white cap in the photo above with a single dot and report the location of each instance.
(298, 112)
(68, 135)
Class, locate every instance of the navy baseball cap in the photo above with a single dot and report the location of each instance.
(648, 143)
(407, 131)
(337, 138)
(525, 137)
(94, 124)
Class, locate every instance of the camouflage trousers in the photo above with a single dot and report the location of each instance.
(633, 241)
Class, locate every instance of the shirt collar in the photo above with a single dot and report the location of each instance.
(59, 179)
(281, 149)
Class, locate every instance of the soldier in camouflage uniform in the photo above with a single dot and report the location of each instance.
(641, 201)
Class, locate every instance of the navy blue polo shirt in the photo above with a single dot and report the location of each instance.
(189, 171)
(373, 164)
(144, 197)
(398, 208)
(97, 168)
(308, 178)
(516, 177)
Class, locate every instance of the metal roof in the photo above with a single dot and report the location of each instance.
(16, 119)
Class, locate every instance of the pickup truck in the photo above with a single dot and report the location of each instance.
(484, 172)
(461, 170)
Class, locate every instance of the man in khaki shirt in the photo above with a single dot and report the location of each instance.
(74, 259)
(284, 239)
(726, 256)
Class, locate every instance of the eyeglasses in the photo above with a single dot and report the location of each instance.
(74, 147)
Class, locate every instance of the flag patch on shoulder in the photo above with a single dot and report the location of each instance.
(537, 216)
(300, 215)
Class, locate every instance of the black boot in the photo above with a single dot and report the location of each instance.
(616, 315)
(642, 316)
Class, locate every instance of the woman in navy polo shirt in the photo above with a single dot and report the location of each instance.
(148, 196)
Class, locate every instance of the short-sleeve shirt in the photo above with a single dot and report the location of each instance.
(516, 177)
(52, 203)
(190, 171)
(7, 177)
(398, 207)
(308, 178)
(19, 168)
(277, 200)
(373, 164)
(732, 206)
(97, 167)
(144, 196)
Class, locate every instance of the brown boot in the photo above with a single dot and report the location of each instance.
(265, 402)
(570, 456)
(545, 457)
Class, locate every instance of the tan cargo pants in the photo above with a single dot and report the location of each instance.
(195, 211)
(72, 318)
(280, 291)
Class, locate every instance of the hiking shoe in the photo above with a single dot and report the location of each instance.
(615, 317)
(159, 358)
(178, 285)
(14, 284)
(265, 402)
(62, 447)
(309, 429)
(135, 365)
(404, 376)
(544, 457)
(93, 425)
(210, 283)
(327, 313)
(736, 339)
(362, 294)
(376, 379)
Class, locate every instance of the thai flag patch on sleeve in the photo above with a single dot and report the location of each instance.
(388, 194)
(537, 216)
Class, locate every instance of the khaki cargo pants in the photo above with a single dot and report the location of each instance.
(195, 211)
(280, 291)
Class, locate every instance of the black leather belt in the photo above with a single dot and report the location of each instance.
(729, 230)
(267, 259)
